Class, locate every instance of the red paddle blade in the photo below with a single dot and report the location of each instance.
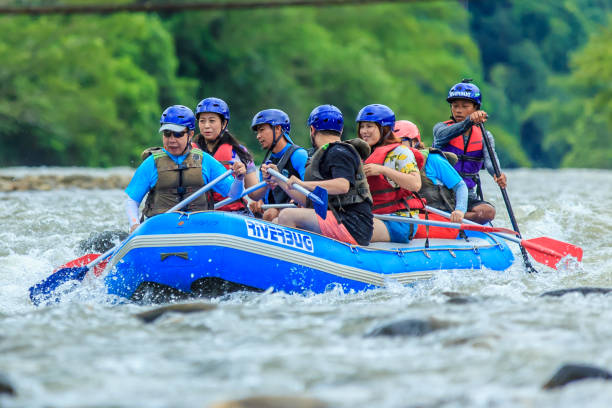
(82, 261)
(550, 251)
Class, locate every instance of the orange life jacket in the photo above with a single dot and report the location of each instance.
(388, 199)
(224, 155)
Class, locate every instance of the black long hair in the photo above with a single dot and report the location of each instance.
(226, 137)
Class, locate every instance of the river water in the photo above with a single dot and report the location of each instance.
(495, 351)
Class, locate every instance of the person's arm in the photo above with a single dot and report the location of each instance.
(131, 209)
(298, 161)
(237, 186)
(333, 187)
(443, 133)
(407, 181)
(461, 196)
(400, 167)
(143, 180)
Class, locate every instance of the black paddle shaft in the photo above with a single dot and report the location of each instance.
(497, 171)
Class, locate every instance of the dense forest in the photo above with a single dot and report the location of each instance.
(89, 89)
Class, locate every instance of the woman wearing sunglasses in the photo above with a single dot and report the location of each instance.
(172, 173)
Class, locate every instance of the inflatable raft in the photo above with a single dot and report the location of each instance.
(178, 255)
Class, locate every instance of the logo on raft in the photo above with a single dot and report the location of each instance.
(279, 235)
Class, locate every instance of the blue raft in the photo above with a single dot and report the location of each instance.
(179, 255)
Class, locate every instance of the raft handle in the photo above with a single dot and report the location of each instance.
(165, 255)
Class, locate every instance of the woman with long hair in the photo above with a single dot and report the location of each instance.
(213, 115)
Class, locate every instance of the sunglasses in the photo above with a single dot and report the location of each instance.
(177, 135)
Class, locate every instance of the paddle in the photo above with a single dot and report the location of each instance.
(318, 197)
(249, 190)
(443, 224)
(487, 142)
(544, 250)
(278, 206)
(43, 291)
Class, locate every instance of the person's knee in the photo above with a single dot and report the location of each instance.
(485, 213)
(286, 217)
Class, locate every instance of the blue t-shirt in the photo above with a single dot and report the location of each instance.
(440, 171)
(145, 177)
(298, 159)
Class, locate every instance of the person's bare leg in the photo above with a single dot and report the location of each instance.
(304, 218)
(481, 213)
(380, 233)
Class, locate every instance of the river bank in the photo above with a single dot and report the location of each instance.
(54, 178)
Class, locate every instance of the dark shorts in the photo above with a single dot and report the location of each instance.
(473, 202)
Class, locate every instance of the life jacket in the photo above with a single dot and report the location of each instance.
(278, 195)
(357, 193)
(470, 154)
(224, 155)
(175, 183)
(389, 199)
(437, 196)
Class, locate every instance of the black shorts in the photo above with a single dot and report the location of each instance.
(473, 202)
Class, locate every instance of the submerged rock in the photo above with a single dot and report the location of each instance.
(101, 242)
(272, 402)
(457, 298)
(152, 315)
(408, 327)
(575, 372)
(5, 386)
(584, 290)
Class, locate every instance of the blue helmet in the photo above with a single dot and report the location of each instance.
(273, 117)
(465, 90)
(381, 114)
(326, 117)
(214, 105)
(176, 118)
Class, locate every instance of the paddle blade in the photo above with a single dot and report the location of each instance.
(319, 202)
(81, 261)
(43, 291)
(549, 251)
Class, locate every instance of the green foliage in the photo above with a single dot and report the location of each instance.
(578, 119)
(83, 90)
(89, 90)
(523, 44)
(296, 59)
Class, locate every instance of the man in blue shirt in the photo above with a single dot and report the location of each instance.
(172, 173)
(272, 127)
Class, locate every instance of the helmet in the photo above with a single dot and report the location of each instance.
(377, 113)
(465, 90)
(214, 105)
(405, 129)
(273, 117)
(176, 118)
(326, 117)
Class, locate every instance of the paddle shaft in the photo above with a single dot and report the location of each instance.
(249, 190)
(496, 169)
(447, 215)
(199, 192)
(442, 224)
(279, 206)
(297, 187)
